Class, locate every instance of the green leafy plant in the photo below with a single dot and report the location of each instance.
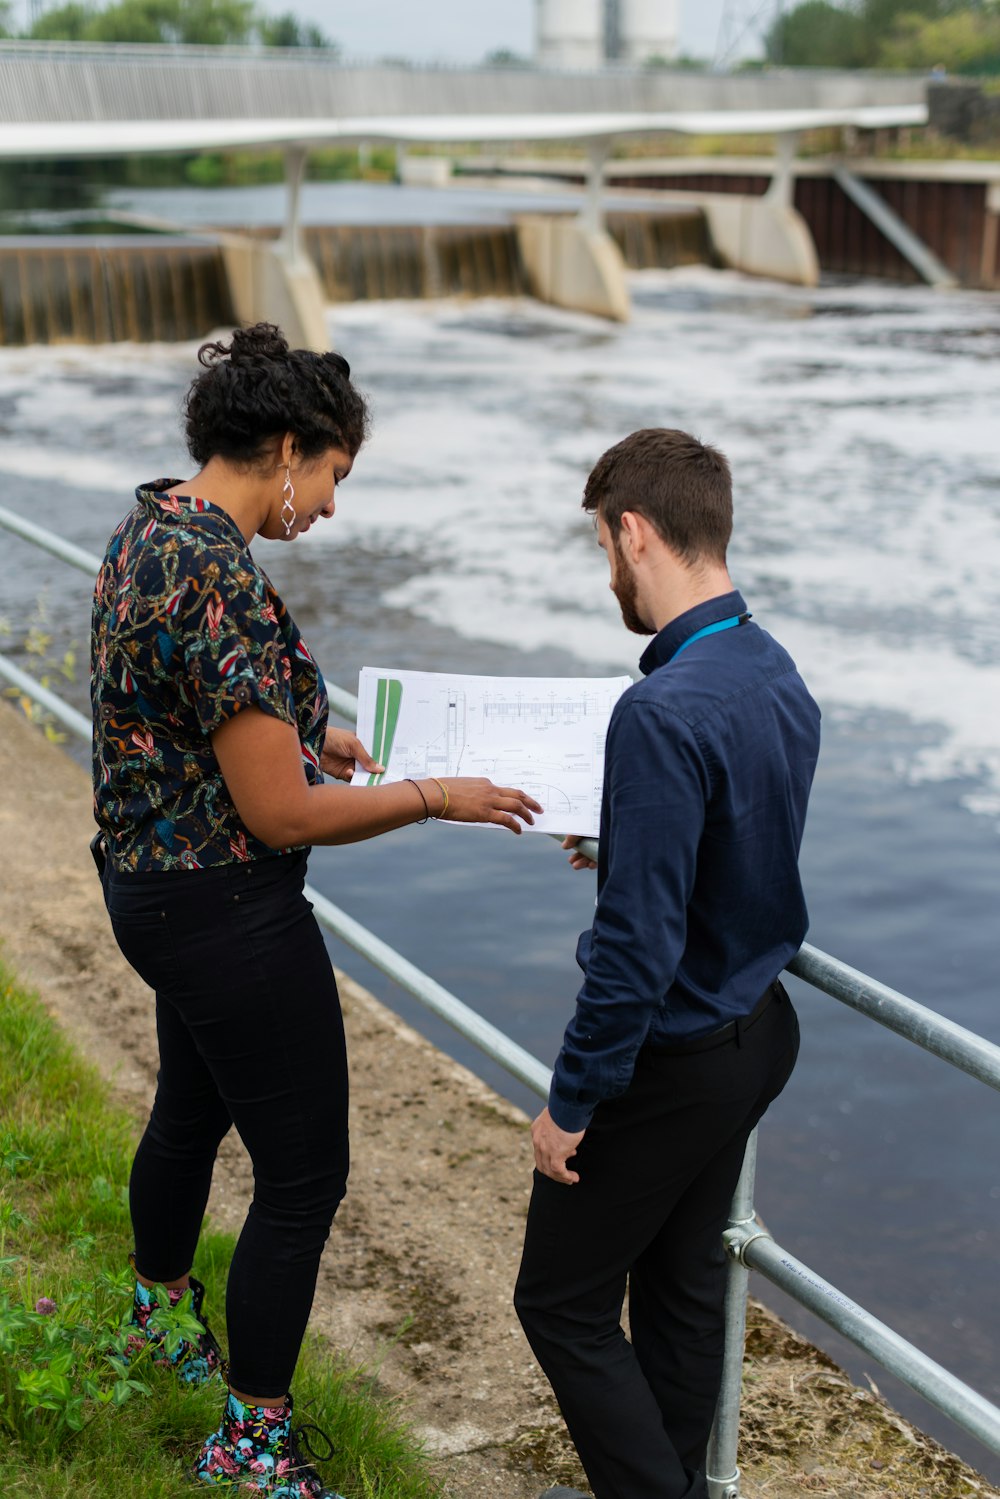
(74, 1417)
(62, 1358)
(62, 1361)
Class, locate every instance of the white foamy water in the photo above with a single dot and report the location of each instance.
(863, 431)
(861, 423)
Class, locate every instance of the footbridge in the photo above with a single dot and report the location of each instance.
(78, 100)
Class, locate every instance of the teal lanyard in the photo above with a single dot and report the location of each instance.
(722, 624)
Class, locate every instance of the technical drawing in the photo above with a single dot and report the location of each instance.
(544, 735)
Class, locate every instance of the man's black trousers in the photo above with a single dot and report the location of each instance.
(658, 1167)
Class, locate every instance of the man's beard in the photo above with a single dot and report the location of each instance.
(626, 592)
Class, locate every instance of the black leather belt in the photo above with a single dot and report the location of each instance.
(774, 994)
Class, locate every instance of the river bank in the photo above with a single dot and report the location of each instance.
(416, 1280)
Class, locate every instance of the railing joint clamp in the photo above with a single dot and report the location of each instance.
(737, 1241)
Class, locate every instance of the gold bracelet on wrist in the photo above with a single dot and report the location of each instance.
(444, 793)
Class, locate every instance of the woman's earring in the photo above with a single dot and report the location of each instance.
(287, 508)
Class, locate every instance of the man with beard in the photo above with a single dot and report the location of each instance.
(682, 1034)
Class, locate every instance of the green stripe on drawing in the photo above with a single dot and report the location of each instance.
(388, 698)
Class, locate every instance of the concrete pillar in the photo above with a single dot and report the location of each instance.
(268, 285)
(782, 188)
(276, 282)
(592, 212)
(572, 265)
(295, 171)
(765, 236)
(761, 237)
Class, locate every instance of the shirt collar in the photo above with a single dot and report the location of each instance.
(153, 497)
(668, 642)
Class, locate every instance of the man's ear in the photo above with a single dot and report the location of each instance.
(634, 529)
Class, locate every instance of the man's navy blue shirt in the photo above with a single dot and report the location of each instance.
(707, 774)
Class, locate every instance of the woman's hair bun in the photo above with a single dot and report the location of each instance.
(247, 346)
(253, 389)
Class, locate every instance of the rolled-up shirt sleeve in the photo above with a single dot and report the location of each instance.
(655, 792)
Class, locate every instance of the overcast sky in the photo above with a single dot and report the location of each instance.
(464, 30)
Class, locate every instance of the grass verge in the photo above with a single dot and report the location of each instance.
(74, 1424)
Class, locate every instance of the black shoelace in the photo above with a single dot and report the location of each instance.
(299, 1438)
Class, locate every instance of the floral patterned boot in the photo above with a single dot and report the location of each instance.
(194, 1362)
(256, 1450)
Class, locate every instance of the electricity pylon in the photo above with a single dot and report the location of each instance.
(743, 21)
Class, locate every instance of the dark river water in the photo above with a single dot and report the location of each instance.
(861, 424)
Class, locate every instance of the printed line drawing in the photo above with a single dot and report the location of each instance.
(543, 734)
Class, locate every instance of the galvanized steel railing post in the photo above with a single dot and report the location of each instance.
(721, 1469)
(942, 1389)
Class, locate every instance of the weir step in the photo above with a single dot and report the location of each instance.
(144, 287)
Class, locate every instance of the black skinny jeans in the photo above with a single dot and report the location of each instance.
(250, 1032)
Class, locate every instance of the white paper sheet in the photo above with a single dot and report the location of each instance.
(544, 735)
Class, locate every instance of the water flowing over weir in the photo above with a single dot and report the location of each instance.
(141, 288)
(362, 264)
(105, 290)
(359, 264)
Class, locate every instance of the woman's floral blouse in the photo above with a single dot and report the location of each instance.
(187, 630)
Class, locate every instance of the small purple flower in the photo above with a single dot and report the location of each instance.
(45, 1306)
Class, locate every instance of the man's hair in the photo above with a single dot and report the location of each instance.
(680, 485)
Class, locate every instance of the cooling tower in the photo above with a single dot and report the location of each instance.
(569, 33)
(647, 28)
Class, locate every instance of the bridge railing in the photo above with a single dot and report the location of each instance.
(748, 1245)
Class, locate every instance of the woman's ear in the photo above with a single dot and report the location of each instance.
(286, 450)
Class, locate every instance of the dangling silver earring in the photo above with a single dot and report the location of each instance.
(287, 496)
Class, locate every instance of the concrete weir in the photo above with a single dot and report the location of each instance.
(951, 209)
(110, 288)
(73, 100)
(142, 287)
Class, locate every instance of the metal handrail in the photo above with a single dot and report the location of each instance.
(965, 1406)
(937, 1034)
(69, 717)
(748, 1245)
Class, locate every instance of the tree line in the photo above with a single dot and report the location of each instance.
(194, 22)
(956, 36)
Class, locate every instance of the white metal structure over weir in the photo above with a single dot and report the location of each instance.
(62, 99)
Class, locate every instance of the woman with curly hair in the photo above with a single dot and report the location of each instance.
(210, 748)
